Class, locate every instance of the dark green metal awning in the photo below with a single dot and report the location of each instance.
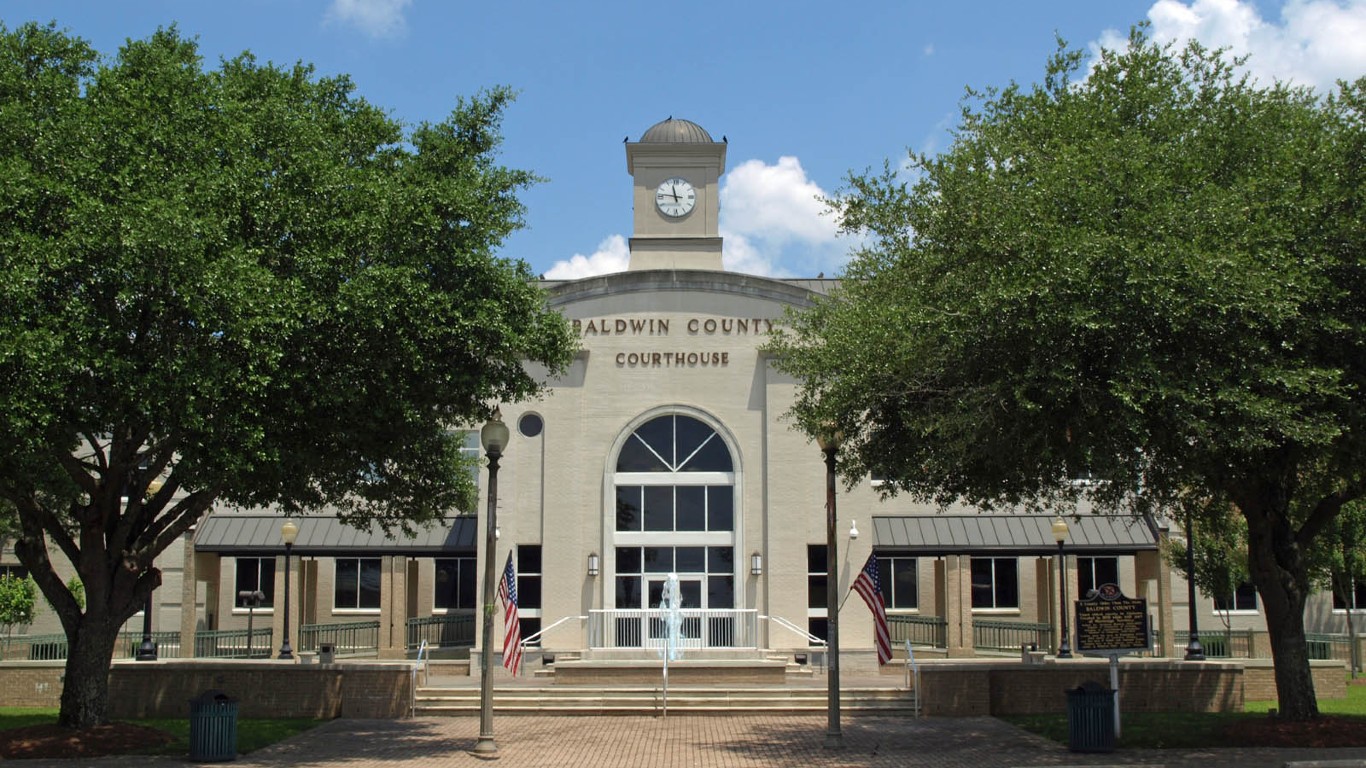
(1010, 534)
(258, 534)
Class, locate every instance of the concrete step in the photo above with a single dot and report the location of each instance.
(461, 702)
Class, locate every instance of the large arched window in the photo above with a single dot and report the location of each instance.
(675, 513)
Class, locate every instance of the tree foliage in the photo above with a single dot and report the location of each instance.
(1220, 545)
(248, 285)
(18, 601)
(1153, 275)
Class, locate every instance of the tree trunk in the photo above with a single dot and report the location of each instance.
(85, 688)
(1282, 579)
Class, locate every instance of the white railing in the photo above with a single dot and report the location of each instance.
(700, 628)
(785, 624)
(419, 664)
(535, 639)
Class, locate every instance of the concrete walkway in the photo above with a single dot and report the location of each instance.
(750, 741)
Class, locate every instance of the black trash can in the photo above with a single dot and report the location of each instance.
(213, 727)
(1091, 718)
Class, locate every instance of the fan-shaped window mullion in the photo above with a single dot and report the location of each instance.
(696, 451)
(651, 449)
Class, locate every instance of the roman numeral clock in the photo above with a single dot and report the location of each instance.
(675, 197)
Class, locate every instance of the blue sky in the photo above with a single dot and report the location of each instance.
(805, 92)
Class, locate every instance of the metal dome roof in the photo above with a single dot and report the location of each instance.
(672, 131)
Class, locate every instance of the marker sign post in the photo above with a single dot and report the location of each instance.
(1110, 624)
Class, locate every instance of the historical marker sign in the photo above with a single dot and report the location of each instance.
(1110, 623)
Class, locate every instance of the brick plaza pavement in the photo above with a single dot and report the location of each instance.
(743, 741)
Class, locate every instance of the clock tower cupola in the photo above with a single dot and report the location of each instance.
(677, 170)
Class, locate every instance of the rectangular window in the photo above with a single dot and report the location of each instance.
(356, 586)
(1242, 599)
(629, 502)
(1357, 594)
(995, 583)
(16, 571)
(720, 508)
(668, 508)
(1092, 572)
(255, 574)
(900, 582)
(691, 505)
(816, 611)
(529, 589)
(455, 584)
(659, 508)
(528, 577)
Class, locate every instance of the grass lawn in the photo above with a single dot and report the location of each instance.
(252, 734)
(1185, 730)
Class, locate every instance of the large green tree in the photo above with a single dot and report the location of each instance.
(1153, 274)
(244, 285)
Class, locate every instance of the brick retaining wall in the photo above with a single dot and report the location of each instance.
(378, 690)
(994, 687)
(262, 688)
(31, 683)
(1330, 680)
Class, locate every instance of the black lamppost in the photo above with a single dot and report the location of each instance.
(288, 532)
(1060, 536)
(829, 441)
(494, 437)
(147, 650)
(1194, 652)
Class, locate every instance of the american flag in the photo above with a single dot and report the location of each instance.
(869, 587)
(512, 626)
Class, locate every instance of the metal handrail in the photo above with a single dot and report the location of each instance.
(1003, 635)
(929, 631)
(536, 636)
(453, 630)
(419, 663)
(785, 624)
(357, 637)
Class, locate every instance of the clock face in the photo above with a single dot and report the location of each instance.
(675, 197)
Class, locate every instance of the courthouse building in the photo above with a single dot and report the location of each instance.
(665, 448)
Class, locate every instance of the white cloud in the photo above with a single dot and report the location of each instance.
(612, 255)
(1314, 43)
(774, 202)
(774, 222)
(377, 18)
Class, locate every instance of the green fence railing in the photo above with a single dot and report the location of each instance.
(929, 631)
(233, 644)
(449, 631)
(1329, 647)
(167, 644)
(54, 647)
(357, 638)
(1221, 643)
(994, 635)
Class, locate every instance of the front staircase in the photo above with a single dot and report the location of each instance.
(649, 700)
(626, 682)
